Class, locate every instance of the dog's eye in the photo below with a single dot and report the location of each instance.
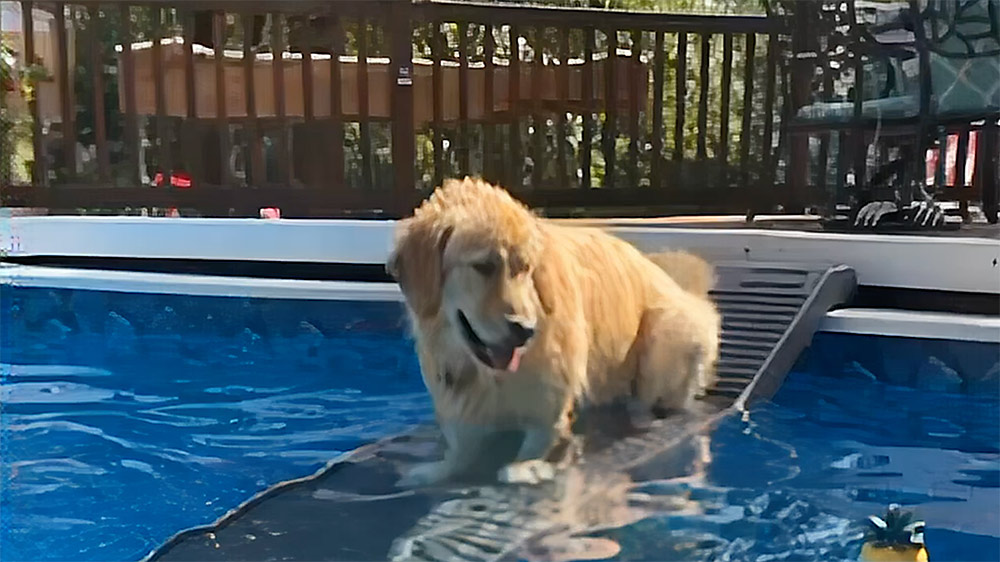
(486, 268)
(517, 265)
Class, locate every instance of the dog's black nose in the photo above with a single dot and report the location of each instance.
(520, 331)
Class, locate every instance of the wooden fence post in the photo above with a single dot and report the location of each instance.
(403, 133)
(803, 59)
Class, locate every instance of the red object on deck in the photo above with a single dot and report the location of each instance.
(180, 180)
(950, 165)
(270, 213)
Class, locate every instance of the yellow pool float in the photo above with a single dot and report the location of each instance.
(894, 538)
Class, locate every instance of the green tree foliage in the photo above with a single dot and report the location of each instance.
(15, 123)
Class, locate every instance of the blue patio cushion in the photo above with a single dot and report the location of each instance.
(969, 86)
(895, 107)
(965, 68)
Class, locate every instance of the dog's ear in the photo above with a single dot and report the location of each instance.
(544, 280)
(416, 264)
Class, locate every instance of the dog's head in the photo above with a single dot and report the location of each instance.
(471, 253)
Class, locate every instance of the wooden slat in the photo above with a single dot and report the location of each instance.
(96, 49)
(727, 80)
(797, 86)
(489, 128)
(517, 160)
(636, 100)
(221, 111)
(308, 105)
(588, 104)
(941, 167)
(881, 154)
(658, 133)
(215, 201)
(562, 87)
(824, 140)
(399, 28)
(860, 152)
(523, 13)
(750, 49)
(336, 169)
(962, 153)
(309, 169)
(706, 51)
(609, 133)
(364, 123)
(537, 116)
(985, 177)
(842, 166)
(38, 176)
(166, 165)
(334, 203)
(437, 82)
(128, 71)
(278, 44)
(681, 93)
(190, 93)
(67, 104)
(192, 151)
(251, 127)
(465, 137)
(823, 162)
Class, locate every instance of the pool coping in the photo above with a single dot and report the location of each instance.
(955, 264)
(863, 321)
(913, 324)
(196, 285)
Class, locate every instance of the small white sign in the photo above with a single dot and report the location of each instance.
(404, 78)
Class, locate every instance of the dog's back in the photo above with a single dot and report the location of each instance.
(692, 273)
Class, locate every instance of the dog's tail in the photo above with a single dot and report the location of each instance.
(691, 272)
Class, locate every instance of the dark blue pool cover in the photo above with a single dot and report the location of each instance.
(351, 510)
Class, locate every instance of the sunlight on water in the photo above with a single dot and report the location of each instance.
(127, 418)
(794, 478)
(124, 425)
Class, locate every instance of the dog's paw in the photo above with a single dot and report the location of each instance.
(527, 472)
(425, 475)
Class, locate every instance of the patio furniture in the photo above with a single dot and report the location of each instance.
(935, 65)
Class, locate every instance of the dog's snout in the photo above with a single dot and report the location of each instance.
(520, 330)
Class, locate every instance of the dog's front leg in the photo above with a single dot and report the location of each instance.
(530, 466)
(533, 463)
(463, 441)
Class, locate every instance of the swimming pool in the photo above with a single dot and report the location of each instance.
(128, 417)
(861, 422)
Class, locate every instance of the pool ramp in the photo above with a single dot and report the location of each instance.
(351, 509)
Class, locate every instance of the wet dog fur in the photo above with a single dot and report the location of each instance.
(518, 321)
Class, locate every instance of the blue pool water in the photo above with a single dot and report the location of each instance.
(129, 417)
(791, 480)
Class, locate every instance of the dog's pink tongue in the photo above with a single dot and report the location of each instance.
(515, 359)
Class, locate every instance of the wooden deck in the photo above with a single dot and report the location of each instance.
(800, 223)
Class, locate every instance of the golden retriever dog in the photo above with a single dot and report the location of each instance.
(518, 320)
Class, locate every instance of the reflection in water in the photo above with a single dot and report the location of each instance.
(129, 417)
(558, 520)
(791, 479)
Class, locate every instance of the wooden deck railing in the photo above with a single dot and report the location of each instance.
(359, 107)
